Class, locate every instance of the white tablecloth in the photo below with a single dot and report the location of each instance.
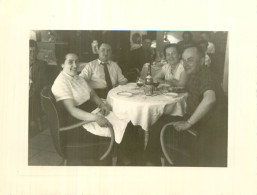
(144, 110)
(119, 127)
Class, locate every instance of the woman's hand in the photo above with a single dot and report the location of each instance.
(102, 122)
(105, 110)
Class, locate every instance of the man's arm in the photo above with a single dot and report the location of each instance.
(208, 101)
(86, 72)
(121, 79)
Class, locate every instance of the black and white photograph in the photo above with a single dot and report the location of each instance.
(128, 98)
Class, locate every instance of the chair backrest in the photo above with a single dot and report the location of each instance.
(50, 108)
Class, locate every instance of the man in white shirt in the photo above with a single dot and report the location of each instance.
(103, 74)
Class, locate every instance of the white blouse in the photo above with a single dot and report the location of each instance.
(67, 87)
(167, 71)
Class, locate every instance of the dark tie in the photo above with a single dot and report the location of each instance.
(107, 76)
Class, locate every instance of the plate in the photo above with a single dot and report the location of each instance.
(171, 94)
(177, 89)
(163, 85)
(125, 93)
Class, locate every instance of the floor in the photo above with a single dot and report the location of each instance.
(42, 151)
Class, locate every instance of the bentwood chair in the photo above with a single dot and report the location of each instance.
(172, 152)
(68, 144)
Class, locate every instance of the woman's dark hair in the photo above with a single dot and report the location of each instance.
(63, 58)
(171, 45)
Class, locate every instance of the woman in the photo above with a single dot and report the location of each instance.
(73, 91)
(74, 94)
(173, 71)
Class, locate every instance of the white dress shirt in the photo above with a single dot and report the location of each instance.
(207, 60)
(94, 74)
(68, 87)
(210, 48)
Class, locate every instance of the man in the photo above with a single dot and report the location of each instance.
(210, 48)
(187, 40)
(103, 74)
(37, 80)
(203, 114)
(207, 60)
(139, 56)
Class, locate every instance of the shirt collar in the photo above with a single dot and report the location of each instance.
(99, 62)
(69, 77)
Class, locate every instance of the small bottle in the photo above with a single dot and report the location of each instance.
(149, 82)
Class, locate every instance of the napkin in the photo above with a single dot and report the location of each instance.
(119, 127)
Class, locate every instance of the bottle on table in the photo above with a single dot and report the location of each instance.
(149, 82)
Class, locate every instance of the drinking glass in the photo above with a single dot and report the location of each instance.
(140, 82)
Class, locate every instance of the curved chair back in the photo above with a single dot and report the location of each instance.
(173, 149)
(50, 108)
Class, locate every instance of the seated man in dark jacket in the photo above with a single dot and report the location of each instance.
(37, 81)
(138, 56)
(203, 114)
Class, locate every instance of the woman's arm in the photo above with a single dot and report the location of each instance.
(159, 77)
(105, 110)
(76, 112)
(83, 115)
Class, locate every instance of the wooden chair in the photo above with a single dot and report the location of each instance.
(169, 156)
(67, 147)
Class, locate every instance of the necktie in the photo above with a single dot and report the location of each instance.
(107, 76)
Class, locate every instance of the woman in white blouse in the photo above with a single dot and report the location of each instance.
(73, 92)
(173, 71)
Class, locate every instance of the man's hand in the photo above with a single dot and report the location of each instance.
(182, 125)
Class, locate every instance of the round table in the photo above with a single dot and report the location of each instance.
(144, 110)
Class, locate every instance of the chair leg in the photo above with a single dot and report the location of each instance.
(65, 162)
(163, 162)
(114, 161)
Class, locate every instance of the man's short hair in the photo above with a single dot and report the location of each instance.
(104, 42)
(135, 37)
(187, 32)
(197, 46)
(171, 45)
(205, 33)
